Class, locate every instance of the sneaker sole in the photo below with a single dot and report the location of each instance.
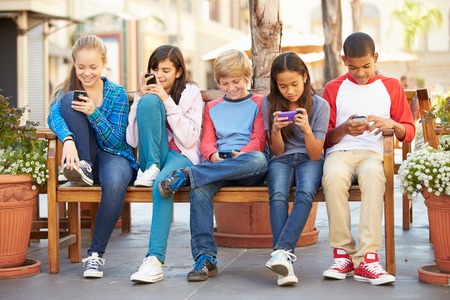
(76, 177)
(163, 192)
(288, 280)
(92, 274)
(279, 269)
(143, 183)
(336, 275)
(146, 279)
(376, 281)
(203, 278)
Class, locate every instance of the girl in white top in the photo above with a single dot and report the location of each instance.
(164, 122)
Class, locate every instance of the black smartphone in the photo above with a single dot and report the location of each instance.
(77, 94)
(151, 78)
(359, 119)
(225, 154)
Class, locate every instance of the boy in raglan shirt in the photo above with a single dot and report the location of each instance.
(362, 104)
(232, 124)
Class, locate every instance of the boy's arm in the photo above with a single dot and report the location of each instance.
(209, 140)
(401, 113)
(258, 137)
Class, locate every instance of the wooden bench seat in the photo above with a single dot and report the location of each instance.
(72, 196)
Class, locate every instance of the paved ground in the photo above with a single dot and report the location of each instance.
(242, 274)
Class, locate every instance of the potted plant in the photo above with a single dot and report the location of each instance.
(426, 171)
(22, 168)
(440, 112)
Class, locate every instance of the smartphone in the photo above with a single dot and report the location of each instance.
(77, 94)
(225, 154)
(290, 114)
(151, 78)
(359, 119)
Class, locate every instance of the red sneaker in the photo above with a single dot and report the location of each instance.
(342, 266)
(371, 271)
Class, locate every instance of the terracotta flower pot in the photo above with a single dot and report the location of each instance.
(439, 222)
(17, 201)
(247, 225)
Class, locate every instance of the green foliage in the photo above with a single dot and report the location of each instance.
(20, 151)
(416, 18)
(440, 110)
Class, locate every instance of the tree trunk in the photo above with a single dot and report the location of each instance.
(357, 8)
(265, 26)
(332, 26)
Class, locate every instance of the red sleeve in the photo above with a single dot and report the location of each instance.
(208, 144)
(330, 94)
(258, 137)
(400, 110)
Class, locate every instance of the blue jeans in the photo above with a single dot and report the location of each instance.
(285, 172)
(154, 149)
(247, 169)
(151, 120)
(163, 208)
(113, 172)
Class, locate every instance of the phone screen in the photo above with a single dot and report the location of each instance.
(225, 154)
(77, 94)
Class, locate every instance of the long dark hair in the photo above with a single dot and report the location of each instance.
(174, 54)
(288, 61)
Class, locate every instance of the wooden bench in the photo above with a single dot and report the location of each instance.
(57, 194)
(428, 128)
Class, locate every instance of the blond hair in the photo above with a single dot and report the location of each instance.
(232, 63)
(84, 42)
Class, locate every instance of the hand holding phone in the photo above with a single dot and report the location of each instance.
(77, 94)
(289, 114)
(151, 79)
(225, 154)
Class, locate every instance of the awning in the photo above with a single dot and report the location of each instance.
(290, 41)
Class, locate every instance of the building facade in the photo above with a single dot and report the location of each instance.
(37, 36)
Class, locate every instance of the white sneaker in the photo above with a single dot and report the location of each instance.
(93, 266)
(150, 271)
(290, 279)
(147, 178)
(281, 262)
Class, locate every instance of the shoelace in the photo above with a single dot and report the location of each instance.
(340, 263)
(148, 263)
(153, 171)
(375, 268)
(291, 256)
(177, 181)
(200, 262)
(86, 165)
(93, 262)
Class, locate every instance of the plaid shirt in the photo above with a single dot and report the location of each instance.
(108, 121)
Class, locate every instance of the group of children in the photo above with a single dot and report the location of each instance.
(181, 143)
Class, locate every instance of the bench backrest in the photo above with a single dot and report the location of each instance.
(429, 133)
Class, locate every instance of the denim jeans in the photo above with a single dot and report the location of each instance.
(163, 208)
(247, 169)
(153, 145)
(285, 172)
(113, 172)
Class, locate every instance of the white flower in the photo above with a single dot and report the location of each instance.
(426, 169)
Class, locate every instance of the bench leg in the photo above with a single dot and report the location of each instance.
(74, 217)
(389, 232)
(407, 212)
(53, 235)
(126, 217)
